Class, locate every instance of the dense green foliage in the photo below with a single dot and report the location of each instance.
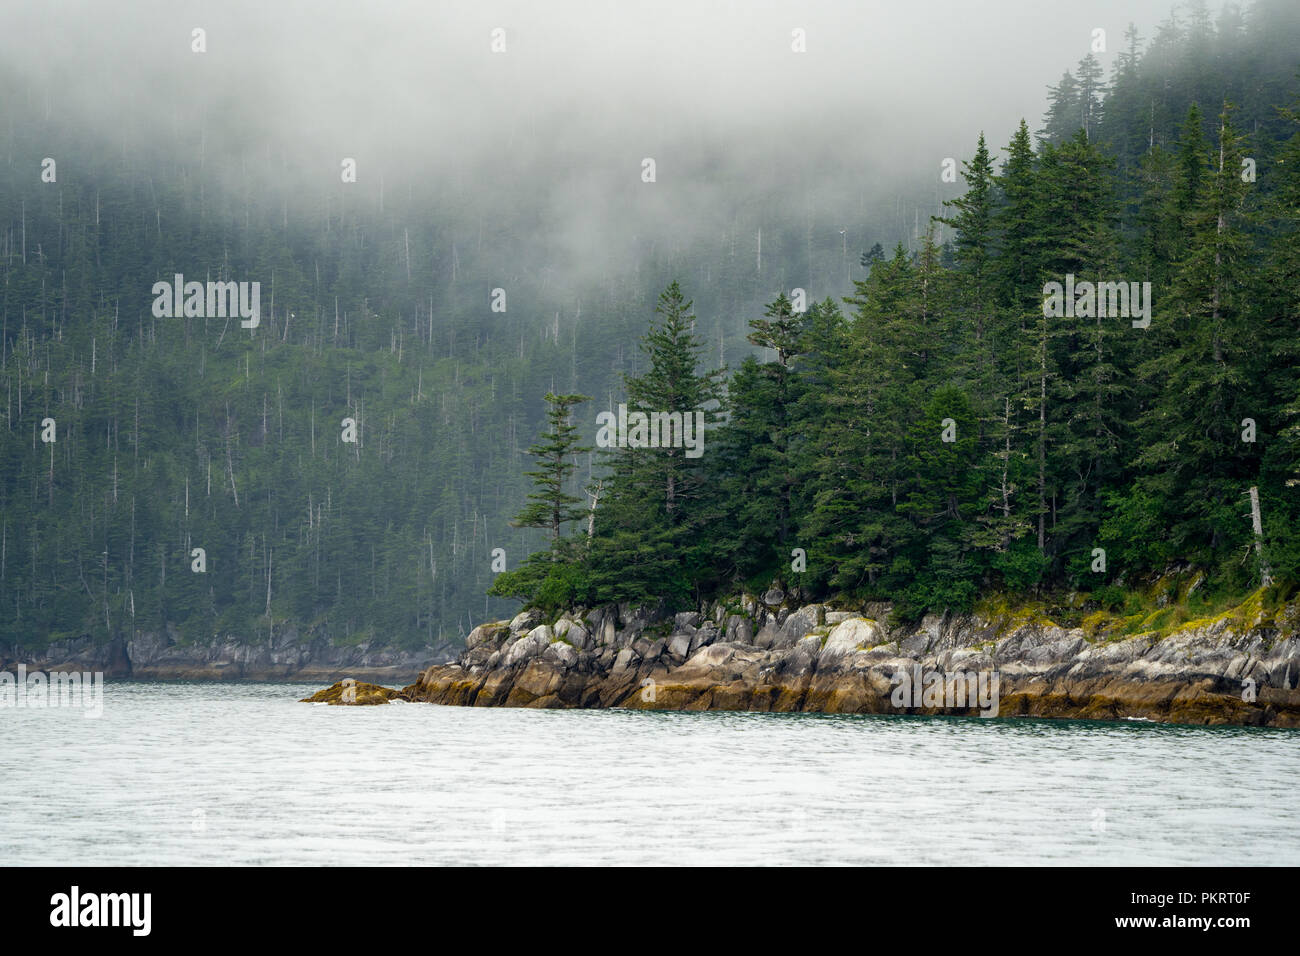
(951, 435)
(183, 433)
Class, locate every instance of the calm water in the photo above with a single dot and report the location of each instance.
(242, 773)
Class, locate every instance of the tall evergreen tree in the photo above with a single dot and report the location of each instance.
(647, 545)
(1091, 90)
(1065, 111)
(551, 504)
(1194, 465)
(1087, 418)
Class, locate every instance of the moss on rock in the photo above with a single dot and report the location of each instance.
(366, 695)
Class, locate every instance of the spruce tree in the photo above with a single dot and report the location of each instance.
(1065, 112)
(1195, 468)
(755, 466)
(1091, 90)
(649, 544)
(551, 504)
(1087, 419)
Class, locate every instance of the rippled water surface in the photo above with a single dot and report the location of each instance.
(242, 773)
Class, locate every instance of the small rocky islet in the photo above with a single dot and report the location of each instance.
(772, 654)
(355, 693)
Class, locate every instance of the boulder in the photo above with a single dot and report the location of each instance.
(532, 645)
(626, 658)
(525, 621)
(706, 635)
(800, 660)
(739, 630)
(846, 638)
(767, 635)
(573, 632)
(797, 626)
(490, 633)
(566, 654)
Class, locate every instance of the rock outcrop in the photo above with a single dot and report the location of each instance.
(764, 655)
(354, 693)
(290, 655)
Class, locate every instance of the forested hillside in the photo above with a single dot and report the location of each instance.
(130, 440)
(377, 304)
(959, 425)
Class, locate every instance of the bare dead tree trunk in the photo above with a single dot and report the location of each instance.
(1257, 526)
(591, 516)
(1042, 440)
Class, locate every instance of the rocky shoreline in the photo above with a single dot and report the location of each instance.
(292, 655)
(764, 654)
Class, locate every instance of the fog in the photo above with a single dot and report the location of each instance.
(547, 138)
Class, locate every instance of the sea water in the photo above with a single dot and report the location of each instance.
(242, 773)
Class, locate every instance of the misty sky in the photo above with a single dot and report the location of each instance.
(583, 92)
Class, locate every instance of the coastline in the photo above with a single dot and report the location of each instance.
(770, 656)
(291, 656)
